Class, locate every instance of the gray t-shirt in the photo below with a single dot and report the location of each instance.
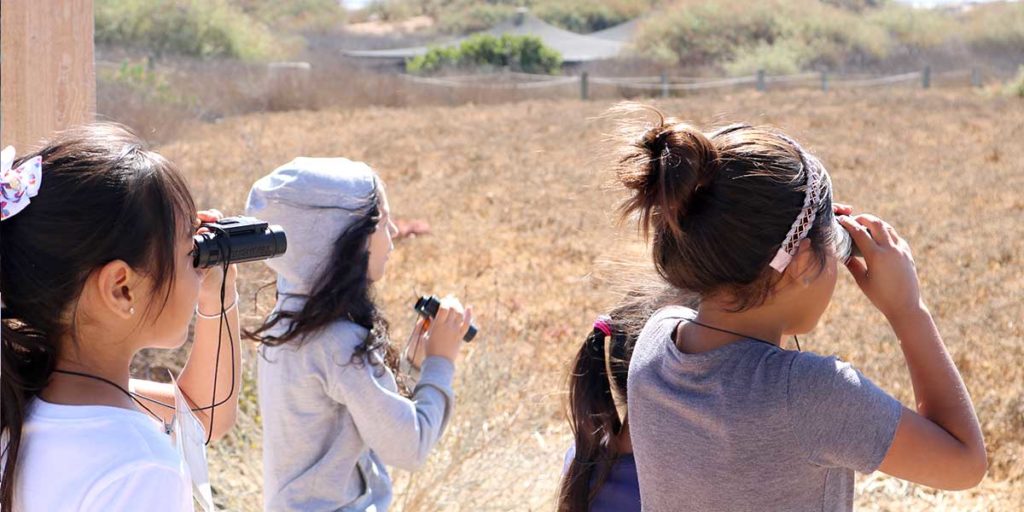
(750, 426)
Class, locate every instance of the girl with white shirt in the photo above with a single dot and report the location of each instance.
(336, 409)
(97, 265)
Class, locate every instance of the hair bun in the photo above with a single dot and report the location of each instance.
(664, 169)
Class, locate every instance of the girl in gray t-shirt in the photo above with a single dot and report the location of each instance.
(721, 416)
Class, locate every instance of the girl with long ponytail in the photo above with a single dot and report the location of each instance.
(95, 265)
(600, 473)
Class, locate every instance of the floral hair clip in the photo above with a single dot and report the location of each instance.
(19, 184)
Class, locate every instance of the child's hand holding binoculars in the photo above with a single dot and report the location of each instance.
(209, 293)
(887, 275)
(441, 335)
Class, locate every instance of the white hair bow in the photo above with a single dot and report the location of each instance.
(18, 185)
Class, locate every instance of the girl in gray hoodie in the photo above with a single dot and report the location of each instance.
(335, 408)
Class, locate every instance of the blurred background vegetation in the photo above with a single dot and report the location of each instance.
(152, 53)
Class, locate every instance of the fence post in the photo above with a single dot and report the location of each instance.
(664, 84)
(824, 81)
(975, 77)
(584, 93)
(760, 81)
(926, 77)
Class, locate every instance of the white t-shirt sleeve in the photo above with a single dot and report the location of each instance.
(144, 486)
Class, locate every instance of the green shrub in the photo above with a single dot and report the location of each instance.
(735, 36)
(775, 59)
(519, 53)
(1017, 86)
(996, 27)
(201, 28)
(474, 18)
(584, 16)
(295, 15)
(913, 28)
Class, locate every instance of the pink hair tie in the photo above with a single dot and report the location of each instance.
(601, 324)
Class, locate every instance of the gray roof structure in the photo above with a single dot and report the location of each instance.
(575, 48)
(623, 32)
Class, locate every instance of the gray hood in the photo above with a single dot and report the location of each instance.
(313, 199)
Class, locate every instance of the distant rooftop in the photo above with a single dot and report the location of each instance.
(573, 47)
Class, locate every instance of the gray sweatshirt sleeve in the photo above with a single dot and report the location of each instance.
(401, 431)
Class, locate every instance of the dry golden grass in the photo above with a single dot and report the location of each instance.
(520, 223)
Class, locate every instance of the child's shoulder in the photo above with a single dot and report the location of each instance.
(105, 436)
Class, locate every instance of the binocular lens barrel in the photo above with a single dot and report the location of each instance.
(428, 305)
(238, 240)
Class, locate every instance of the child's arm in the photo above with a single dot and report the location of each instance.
(939, 445)
(197, 378)
(403, 431)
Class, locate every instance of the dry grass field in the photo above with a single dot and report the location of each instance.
(523, 228)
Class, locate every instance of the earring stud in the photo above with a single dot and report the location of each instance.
(131, 310)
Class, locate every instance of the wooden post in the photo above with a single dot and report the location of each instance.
(824, 81)
(761, 85)
(664, 84)
(584, 92)
(49, 78)
(975, 77)
(926, 77)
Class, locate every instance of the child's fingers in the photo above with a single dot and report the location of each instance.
(211, 215)
(858, 233)
(877, 229)
(467, 320)
(842, 209)
(858, 269)
(442, 315)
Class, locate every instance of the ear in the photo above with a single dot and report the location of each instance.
(801, 269)
(116, 286)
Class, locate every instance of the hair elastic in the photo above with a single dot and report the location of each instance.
(601, 324)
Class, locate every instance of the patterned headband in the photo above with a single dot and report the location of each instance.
(819, 189)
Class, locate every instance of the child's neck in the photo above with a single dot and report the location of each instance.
(103, 359)
(765, 323)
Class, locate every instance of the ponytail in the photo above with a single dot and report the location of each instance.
(595, 424)
(26, 365)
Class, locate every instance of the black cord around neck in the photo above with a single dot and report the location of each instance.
(134, 396)
(726, 331)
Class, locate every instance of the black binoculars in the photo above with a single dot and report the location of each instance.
(238, 240)
(427, 307)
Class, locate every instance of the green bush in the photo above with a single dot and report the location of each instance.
(518, 53)
(774, 59)
(996, 27)
(585, 16)
(463, 16)
(1017, 87)
(295, 15)
(201, 28)
(788, 35)
(913, 28)
(474, 18)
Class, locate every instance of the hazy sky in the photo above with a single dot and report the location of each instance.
(356, 4)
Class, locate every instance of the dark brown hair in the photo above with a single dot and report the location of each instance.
(343, 292)
(716, 205)
(593, 417)
(103, 197)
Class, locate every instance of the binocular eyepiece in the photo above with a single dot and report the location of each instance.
(238, 240)
(427, 307)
